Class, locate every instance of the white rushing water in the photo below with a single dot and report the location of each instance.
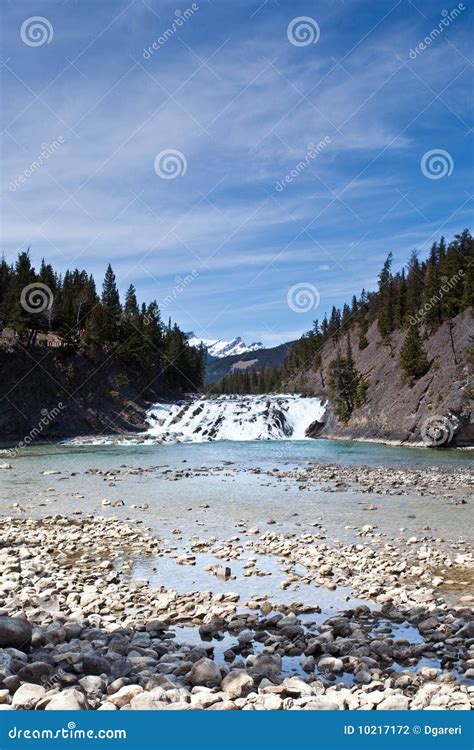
(276, 417)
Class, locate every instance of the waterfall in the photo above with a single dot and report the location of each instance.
(275, 417)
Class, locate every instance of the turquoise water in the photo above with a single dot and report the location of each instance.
(216, 495)
(247, 454)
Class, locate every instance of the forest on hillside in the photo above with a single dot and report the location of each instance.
(67, 313)
(416, 300)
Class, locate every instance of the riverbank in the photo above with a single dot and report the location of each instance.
(232, 584)
(78, 632)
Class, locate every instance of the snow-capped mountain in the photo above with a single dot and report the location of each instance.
(218, 348)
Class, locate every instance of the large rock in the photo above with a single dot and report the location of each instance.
(237, 683)
(38, 672)
(321, 704)
(330, 665)
(67, 700)
(205, 672)
(315, 429)
(124, 696)
(15, 632)
(394, 703)
(467, 631)
(267, 665)
(92, 685)
(95, 665)
(154, 700)
(27, 696)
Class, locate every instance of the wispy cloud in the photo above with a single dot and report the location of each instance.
(242, 104)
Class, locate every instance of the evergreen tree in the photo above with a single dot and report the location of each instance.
(343, 383)
(19, 317)
(363, 328)
(414, 286)
(111, 309)
(385, 321)
(413, 360)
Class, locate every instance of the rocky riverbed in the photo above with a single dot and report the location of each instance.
(79, 631)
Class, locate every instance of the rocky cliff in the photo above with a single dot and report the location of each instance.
(48, 395)
(438, 409)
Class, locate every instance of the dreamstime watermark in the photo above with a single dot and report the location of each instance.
(447, 285)
(70, 732)
(36, 31)
(47, 150)
(437, 430)
(447, 18)
(303, 31)
(36, 297)
(313, 151)
(170, 164)
(47, 416)
(436, 164)
(181, 283)
(49, 681)
(303, 297)
(181, 18)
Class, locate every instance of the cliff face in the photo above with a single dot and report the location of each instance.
(440, 400)
(47, 395)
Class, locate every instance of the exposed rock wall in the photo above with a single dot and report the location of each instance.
(47, 395)
(394, 410)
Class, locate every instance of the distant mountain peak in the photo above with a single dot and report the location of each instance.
(218, 348)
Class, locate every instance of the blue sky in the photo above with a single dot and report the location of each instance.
(241, 102)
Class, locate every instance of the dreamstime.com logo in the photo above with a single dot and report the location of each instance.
(47, 150)
(303, 31)
(436, 164)
(303, 297)
(70, 732)
(181, 17)
(36, 31)
(36, 297)
(314, 149)
(181, 283)
(446, 285)
(437, 430)
(170, 164)
(447, 17)
(47, 416)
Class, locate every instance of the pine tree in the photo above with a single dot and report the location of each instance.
(414, 286)
(413, 359)
(132, 334)
(112, 309)
(400, 292)
(385, 321)
(5, 281)
(19, 317)
(343, 382)
(363, 328)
